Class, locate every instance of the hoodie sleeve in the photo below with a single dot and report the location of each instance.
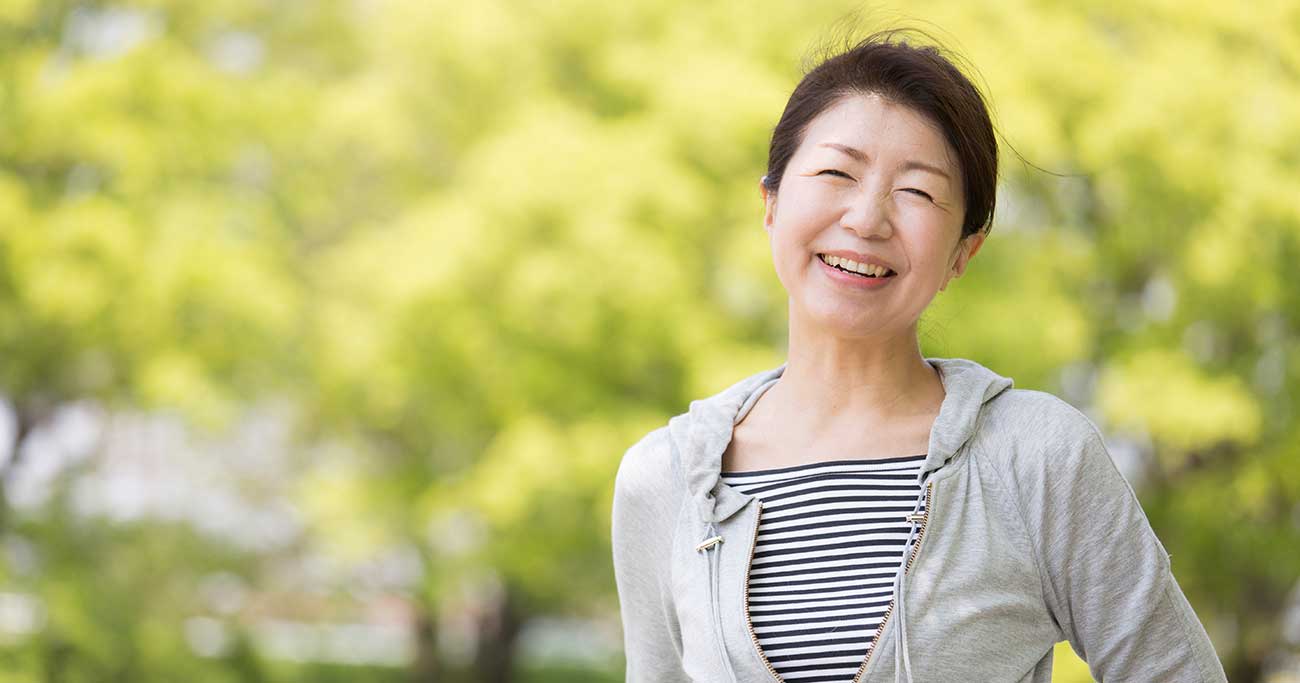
(644, 516)
(1107, 577)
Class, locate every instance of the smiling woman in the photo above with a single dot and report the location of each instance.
(886, 176)
(861, 497)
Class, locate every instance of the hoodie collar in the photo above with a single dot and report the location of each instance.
(702, 434)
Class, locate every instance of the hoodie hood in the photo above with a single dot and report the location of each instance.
(702, 434)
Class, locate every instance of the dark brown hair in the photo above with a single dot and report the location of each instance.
(919, 77)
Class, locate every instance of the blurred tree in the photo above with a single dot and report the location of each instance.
(149, 210)
(485, 246)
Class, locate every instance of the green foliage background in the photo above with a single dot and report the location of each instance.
(473, 250)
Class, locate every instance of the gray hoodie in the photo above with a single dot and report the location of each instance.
(1030, 536)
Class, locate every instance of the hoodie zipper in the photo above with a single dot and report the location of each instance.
(916, 545)
(748, 622)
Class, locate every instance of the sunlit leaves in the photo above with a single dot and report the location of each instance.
(485, 246)
(1181, 406)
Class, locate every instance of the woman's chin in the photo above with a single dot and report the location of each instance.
(846, 321)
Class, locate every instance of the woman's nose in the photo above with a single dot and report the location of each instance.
(867, 215)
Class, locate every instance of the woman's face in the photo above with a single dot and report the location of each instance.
(877, 180)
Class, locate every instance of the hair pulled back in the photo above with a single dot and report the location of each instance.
(919, 77)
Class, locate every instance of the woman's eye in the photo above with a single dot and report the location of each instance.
(921, 193)
(837, 172)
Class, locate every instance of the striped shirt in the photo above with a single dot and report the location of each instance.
(829, 545)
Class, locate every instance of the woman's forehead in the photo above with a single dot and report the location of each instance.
(873, 126)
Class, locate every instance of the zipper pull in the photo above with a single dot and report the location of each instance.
(916, 518)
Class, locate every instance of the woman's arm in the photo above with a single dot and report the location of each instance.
(1108, 579)
(644, 516)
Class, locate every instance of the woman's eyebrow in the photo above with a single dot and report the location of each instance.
(909, 165)
(912, 164)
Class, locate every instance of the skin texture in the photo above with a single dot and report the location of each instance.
(856, 377)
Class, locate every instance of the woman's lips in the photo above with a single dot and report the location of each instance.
(853, 279)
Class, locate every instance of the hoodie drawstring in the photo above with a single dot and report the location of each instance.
(900, 591)
(710, 543)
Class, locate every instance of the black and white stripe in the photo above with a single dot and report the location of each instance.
(829, 546)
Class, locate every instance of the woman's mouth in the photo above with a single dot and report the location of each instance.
(855, 269)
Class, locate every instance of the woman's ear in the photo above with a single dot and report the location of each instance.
(769, 203)
(967, 247)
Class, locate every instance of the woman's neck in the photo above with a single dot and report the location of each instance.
(832, 381)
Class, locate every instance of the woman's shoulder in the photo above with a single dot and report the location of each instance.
(649, 471)
(1035, 436)
(1030, 415)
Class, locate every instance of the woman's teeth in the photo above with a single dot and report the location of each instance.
(855, 267)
